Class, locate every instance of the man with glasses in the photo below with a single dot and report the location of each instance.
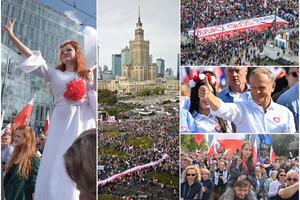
(291, 191)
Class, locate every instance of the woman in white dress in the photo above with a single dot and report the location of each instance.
(74, 112)
(195, 115)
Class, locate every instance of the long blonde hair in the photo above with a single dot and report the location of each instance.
(23, 153)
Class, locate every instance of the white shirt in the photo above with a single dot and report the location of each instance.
(208, 124)
(250, 117)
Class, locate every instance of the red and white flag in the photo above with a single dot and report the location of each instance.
(272, 155)
(213, 148)
(255, 151)
(47, 123)
(230, 141)
(23, 116)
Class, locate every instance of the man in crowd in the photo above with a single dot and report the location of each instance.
(241, 190)
(259, 115)
(6, 147)
(237, 89)
(291, 191)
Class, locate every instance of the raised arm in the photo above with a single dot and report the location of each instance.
(204, 91)
(22, 48)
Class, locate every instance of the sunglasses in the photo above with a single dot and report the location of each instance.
(294, 74)
(284, 175)
(190, 174)
(292, 179)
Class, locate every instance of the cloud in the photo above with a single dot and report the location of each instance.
(71, 15)
(90, 50)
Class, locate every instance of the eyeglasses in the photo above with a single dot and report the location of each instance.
(294, 74)
(190, 174)
(284, 175)
(292, 179)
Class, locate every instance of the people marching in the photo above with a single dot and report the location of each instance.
(242, 48)
(165, 141)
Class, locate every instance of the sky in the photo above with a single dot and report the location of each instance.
(88, 27)
(117, 21)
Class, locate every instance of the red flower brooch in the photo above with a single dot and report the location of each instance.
(75, 90)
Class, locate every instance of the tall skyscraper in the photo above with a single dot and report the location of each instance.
(116, 64)
(139, 68)
(160, 67)
(40, 28)
(125, 57)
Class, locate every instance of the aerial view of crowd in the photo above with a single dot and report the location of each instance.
(238, 47)
(133, 143)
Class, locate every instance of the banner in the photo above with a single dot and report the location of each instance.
(238, 26)
(129, 171)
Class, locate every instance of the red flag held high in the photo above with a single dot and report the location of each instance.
(272, 155)
(198, 138)
(24, 115)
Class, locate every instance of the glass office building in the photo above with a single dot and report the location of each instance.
(40, 28)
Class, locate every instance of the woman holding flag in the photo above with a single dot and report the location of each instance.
(74, 112)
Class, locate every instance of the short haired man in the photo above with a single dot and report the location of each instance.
(241, 191)
(237, 89)
(291, 191)
(259, 115)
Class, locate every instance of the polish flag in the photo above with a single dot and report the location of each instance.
(230, 141)
(272, 155)
(198, 138)
(213, 148)
(255, 152)
(23, 116)
(47, 123)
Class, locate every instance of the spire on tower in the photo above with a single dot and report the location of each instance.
(139, 18)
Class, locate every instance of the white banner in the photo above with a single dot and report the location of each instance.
(129, 171)
(260, 22)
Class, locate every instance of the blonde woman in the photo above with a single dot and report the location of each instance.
(22, 167)
(191, 188)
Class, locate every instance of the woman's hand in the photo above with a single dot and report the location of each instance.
(20, 46)
(10, 26)
(238, 163)
(241, 178)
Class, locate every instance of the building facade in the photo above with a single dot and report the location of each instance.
(139, 69)
(116, 64)
(40, 28)
(160, 70)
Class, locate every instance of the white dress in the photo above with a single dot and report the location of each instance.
(69, 119)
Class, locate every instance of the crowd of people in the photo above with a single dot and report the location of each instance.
(165, 141)
(241, 48)
(242, 106)
(238, 177)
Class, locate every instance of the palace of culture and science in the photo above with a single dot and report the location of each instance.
(139, 72)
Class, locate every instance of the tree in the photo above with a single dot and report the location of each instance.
(107, 97)
(281, 143)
